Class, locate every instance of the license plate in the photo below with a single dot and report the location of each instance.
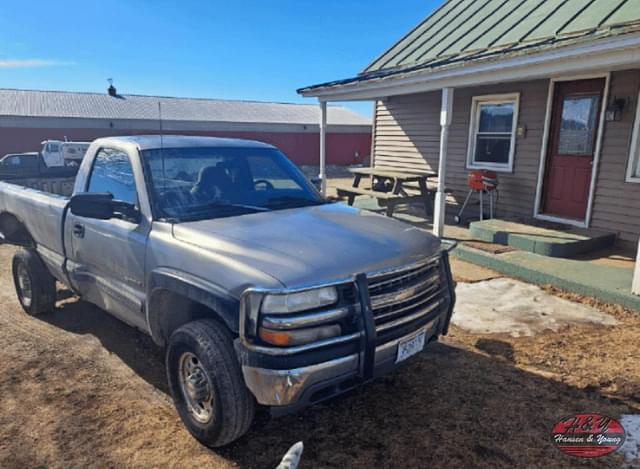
(411, 346)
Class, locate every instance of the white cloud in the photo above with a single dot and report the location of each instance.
(29, 63)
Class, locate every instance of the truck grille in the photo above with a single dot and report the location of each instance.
(405, 295)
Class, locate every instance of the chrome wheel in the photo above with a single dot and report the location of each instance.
(24, 284)
(196, 387)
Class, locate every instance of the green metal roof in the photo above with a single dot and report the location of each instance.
(460, 27)
(463, 31)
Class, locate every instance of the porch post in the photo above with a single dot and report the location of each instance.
(446, 111)
(635, 285)
(323, 148)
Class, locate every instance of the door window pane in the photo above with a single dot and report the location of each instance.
(112, 172)
(29, 161)
(578, 125)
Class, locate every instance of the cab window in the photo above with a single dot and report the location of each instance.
(112, 172)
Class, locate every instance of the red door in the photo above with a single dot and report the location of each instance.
(574, 127)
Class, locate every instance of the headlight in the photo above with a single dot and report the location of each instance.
(301, 301)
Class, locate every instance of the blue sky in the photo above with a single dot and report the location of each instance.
(257, 50)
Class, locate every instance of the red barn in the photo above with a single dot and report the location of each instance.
(28, 117)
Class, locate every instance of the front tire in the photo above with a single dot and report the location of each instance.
(35, 286)
(206, 383)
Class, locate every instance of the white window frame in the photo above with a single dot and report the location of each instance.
(473, 125)
(634, 151)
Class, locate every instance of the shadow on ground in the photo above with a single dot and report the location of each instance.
(133, 347)
(447, 407)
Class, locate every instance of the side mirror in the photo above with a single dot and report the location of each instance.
(97, 205)
(102, 206)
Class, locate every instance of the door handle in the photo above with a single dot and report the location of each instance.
(78, 230)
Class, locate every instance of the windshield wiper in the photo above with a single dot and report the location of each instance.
(226, 204)
(292, 200)
(204, 211)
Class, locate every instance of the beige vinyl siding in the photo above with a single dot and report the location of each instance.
(516, 189)
(407, 136)
(616, 205)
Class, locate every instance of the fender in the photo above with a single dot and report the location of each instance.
(193, 288)
(14, 231)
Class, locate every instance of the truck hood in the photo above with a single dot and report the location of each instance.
(311, 245)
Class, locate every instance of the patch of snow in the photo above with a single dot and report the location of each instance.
(631, 447)
(512, 307)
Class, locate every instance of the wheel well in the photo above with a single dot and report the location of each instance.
(13, 231)
(169, 310)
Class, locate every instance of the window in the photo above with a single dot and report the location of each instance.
(267, 173)
(578, 125)
(492, 132)
(211, 182)
(633, 168)
(112, 172)
(29, 161)
(14, 161)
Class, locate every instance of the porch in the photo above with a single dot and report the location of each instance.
(605, 273)
(436, 131)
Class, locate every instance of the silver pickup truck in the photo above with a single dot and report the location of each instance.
(261, 292)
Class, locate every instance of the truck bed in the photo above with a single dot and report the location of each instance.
(41, 211)
(53, 185)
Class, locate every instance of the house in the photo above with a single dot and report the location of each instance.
(29, 117)
(544, 92)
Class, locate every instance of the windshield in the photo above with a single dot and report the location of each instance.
(200, 183)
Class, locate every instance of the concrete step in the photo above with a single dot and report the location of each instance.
(544, 241)
(609, 284)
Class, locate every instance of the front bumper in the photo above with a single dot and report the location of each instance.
(292, 389)
(289, 381)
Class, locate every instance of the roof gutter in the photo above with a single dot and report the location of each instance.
(604, 54)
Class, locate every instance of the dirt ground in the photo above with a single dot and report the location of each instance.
(80, 389)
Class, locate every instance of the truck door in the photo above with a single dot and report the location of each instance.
(11, 166)
(52, 154)
(107, 259)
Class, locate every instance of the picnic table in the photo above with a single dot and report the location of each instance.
(390, 187)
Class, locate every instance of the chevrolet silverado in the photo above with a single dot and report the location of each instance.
(262, 292)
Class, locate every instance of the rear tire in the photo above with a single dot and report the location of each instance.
(206, 383)
(35, 286)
